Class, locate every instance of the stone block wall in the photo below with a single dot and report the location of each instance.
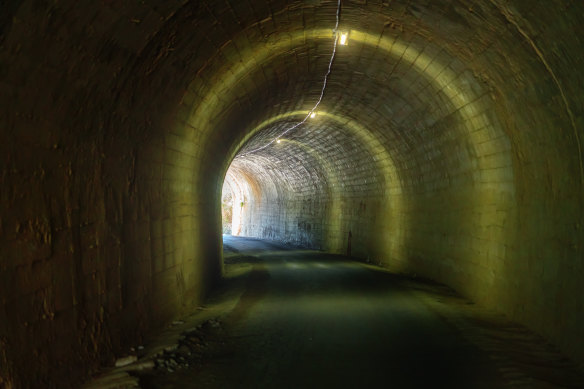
(448, 142)
(101, 232)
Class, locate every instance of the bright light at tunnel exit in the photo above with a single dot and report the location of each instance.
(343, 38)
(313, 115)
(278, 141)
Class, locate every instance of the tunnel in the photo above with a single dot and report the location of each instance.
(439, 139)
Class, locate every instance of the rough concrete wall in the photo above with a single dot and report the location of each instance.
(101, 232)
(448, 143)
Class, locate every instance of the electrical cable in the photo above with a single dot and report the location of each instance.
(330, 65)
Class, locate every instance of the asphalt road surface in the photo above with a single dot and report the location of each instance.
(305, 319)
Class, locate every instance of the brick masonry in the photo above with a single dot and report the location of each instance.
(448, 144)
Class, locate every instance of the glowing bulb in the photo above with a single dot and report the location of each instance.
(278, 141)
(313, 115)
(343, 38)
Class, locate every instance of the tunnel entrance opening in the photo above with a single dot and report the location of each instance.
(234, 203)
(227, 211)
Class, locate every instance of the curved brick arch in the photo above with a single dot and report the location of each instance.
(119, 120)
(460, 110)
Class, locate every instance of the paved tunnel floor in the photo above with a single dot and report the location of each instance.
(304, 319)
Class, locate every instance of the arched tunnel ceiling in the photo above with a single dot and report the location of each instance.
(396, 99)
(448, 143)
(296, 56)
(415, 71)
(418, 90)
(428, 92)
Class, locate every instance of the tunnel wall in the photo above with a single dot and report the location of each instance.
(102, 239)
(540, 107)
(508, 239)
(313, 193)
(119, 120)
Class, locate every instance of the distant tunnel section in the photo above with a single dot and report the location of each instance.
(313, 187)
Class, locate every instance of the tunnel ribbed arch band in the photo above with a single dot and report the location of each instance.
(328, 72)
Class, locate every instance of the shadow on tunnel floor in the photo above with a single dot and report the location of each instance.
(310, 319)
